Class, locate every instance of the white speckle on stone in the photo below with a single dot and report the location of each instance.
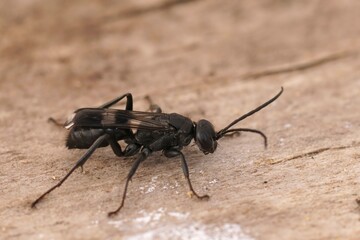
(215, 180)
(143, 220)
(151, 217)
(150, 189)
(160, 224)
(117, 224)
(194, 231)
(178, 215)
(347, 125)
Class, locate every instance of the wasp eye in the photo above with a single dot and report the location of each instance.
(205, 136)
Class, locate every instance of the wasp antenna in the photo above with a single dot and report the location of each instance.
(224, 130)
(247, 130)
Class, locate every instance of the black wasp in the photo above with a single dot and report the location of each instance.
(92, 128)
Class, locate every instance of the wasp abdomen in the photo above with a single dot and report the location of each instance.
(83, 138)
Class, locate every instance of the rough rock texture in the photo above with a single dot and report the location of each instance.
(204, 59)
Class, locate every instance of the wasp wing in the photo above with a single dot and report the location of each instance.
(116, 118)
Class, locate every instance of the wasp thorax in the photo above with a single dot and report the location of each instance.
(205, 136)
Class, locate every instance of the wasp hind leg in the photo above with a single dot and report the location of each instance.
(78, 164)
(129, 102)
(55, 122)
(152, 106)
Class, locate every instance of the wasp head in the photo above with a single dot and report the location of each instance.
(205, 136)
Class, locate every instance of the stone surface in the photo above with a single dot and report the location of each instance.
(203, 59)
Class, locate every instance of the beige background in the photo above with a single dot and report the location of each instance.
(204, 59)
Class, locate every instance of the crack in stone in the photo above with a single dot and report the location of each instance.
(165, 5)
(312, 153)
